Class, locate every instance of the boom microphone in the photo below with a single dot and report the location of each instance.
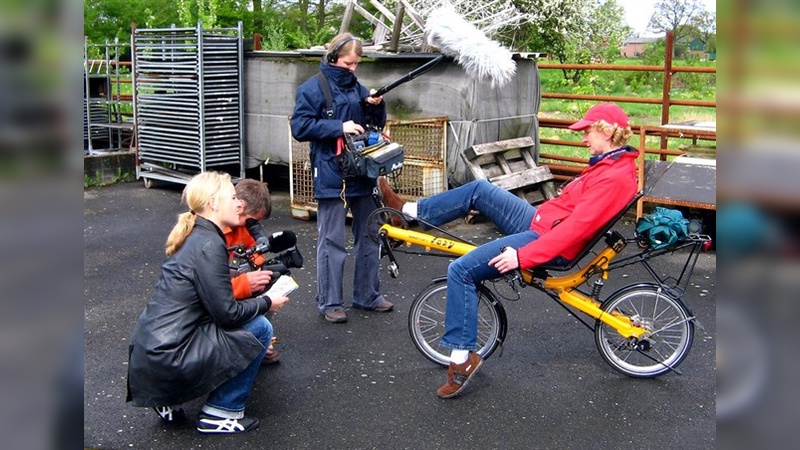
(482, 58)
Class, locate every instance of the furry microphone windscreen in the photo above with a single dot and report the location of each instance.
(482, 58)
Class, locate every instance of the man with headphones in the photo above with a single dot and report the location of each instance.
(329, 106)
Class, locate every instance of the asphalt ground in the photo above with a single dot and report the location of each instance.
(363, 384)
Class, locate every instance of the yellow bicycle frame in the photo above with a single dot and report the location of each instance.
(564, 287)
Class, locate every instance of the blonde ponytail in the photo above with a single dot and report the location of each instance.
(180, 231)
(200, 190)
(619, 135)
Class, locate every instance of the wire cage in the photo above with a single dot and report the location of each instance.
(422, 139)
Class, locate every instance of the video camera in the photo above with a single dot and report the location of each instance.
(284, 261)
(284, 243)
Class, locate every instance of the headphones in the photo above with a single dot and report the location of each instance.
(333, 53)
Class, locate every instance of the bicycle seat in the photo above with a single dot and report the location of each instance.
(603, 232)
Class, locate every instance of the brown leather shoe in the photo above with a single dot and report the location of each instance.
(383, 306)
(458, 375)
(336, 316)
(390, 198)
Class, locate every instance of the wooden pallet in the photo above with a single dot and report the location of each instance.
(510, 164)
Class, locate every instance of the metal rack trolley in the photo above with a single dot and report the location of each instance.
(104, 126)
(188, 102)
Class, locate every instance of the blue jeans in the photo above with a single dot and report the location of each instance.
(511, 214)
(229, 398)
(332, 253)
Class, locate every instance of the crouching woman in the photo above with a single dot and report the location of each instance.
(193, 338)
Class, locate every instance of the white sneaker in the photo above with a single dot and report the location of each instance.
(168, 413)
(218, 425)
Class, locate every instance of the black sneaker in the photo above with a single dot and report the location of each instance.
(168, 413)
(208, 424)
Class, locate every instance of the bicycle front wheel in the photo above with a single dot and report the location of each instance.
(426, 322)
(668, 320)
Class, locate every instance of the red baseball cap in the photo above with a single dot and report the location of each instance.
(609, 112)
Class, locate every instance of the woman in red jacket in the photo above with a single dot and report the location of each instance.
(555, 232)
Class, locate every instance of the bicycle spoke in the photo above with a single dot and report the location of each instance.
(667, 343)
(426, 323)
(426, 330)
(617, 348)
(483, 335)
(439, 311)
(424, 318)
(673, 324)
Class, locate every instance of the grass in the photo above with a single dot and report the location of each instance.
(98, 180)
(695, 86)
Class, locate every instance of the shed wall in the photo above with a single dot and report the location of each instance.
(477, 112)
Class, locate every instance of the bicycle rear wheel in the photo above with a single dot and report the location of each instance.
(426, 322)
(667, 318)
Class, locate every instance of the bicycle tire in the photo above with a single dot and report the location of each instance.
(665, 349)
(426, 322)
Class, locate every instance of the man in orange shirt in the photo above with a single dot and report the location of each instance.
(255, 204)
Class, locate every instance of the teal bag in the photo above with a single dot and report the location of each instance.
(663, 227)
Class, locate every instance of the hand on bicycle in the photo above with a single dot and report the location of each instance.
(506, 261)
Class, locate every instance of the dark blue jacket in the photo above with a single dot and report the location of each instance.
(311, 123)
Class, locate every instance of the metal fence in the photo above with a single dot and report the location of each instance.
(565, 167)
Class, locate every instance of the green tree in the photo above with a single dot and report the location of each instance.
(571, 31)
(705, 28)
(608, 31)
(653, 55)
(109, 19)
(258, 15)
(675, 15)
(192, 11)
(305, 23)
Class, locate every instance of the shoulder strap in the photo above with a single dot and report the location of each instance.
(326, 91)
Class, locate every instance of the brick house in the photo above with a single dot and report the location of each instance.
(634, 47)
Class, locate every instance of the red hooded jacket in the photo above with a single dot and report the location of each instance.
(567, 223)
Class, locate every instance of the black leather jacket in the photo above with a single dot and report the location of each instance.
(189, 340)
